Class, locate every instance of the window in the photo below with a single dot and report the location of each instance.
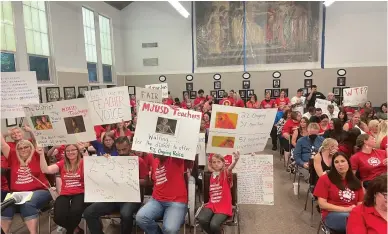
(7, 62)
(8, 42)
(90, 43)
(92, 71)
(41, 66)
(107, 71)
(106, 48)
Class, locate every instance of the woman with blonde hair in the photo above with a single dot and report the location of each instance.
(238, 102)
(381, 138)
(25, 176)
(323, 159)
(373, 126)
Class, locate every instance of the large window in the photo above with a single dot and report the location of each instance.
(90, 43)
(106, 48)
(8, 41)
(37, 38)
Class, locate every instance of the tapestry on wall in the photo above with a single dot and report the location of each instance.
(275, 32)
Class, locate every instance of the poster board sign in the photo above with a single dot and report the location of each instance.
(60, 123)
(167, 131)
(113, 179)
(17, 89)
(242, 129)
(163, 87)
(355, 96)
(148, 95)
(255, 182)
(201, 150)
(108, 106)
(321, 103)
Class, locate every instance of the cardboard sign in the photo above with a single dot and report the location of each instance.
(167, 131)
(355, 96)
(239, 129)
(17, 89)
(163, 87)
(201, 150)
(60, 123)
(148, 95)
(109, 106)
(321, 103)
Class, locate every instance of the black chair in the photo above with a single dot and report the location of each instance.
(312, 181)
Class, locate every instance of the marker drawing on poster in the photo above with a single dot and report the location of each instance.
(148, 95)
(163, 87)
(355, 96)
(242, 129)
(167, 131)
(113, 179)
(17, 89)
(201, 150)
(255, 183)
(321, 103)
(60, 123)
(110, 105)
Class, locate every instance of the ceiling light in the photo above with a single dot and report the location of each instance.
(178, 6)
(328, 2)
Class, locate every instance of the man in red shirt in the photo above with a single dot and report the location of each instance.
(200, 100)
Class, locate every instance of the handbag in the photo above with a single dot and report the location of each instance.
(52, 190)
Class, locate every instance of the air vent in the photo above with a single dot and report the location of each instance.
(150, 62)
(149, 45)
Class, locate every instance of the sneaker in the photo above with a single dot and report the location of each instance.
(60, 229)
(274, 148)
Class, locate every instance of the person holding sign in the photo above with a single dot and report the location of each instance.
(107, 147)
(313, 95)
(219, 208)
(355, 122)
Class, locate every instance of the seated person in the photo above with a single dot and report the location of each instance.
(322, 160)
(4, 180)
(338, 192)
(371, 216)
(300, 132)
(93, 213)
(106, 147)
(289, 127)
(306, 147)
(381, 139)
(17, 134)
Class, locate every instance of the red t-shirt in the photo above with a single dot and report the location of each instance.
(148, 161)
(169, 101)
(117, 133)
(370, 165)
(143, 169)
(21, 179)
(72, 182)
(220, 197)
(229, 101)
(61, 153)
(184, 105)
(253, 105)
(366, 220)
(198, 100)
(284, 102)
(98, 130)
(4, 181)
(12, 144)
(266, 104)
(132, 103)
(240, 103)
(327, 190)
(289, 126)
(383, 144)
(169, 182)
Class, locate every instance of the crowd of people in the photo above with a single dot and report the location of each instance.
(347, 151)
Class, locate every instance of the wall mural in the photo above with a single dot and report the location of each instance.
(276, 32)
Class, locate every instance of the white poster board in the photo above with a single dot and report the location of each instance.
(242, 129)
(17, 89)
(355, 96)
(321, 103)
(113, 179)
(201, 150)
(255, 183)
(148, 95)
(110, 105)
(60, 123)
(167, 131)
(163, 87)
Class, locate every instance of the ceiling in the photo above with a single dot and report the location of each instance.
(119, 5)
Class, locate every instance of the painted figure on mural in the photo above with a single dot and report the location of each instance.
(238, 26)
(224, 20)
(213, 27)
(255, 32)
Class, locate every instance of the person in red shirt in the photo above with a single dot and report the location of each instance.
(168, 101)
(98, 129)
(282, 100)
(371, 216)
(25, 176)
(355, 121)
(368, 161)
(267, 103)
(206, 117)
(4, 181)
(219, 208)
(69, 206)
(338, 192)
(324, 124)
(121, 130)
(17, 134)
(381, 138)
(207, 106)
(253, 103)
(132, 101)
(228, 99)
(373, 127)
(186, 103)
(238, 101)
(288, 129)
(200, 99)
(169, 197)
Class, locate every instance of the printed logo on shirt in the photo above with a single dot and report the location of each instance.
(160, 175)
(373, 161)
(72, 180)
(24, 175)
(347, 195)
(215, 193)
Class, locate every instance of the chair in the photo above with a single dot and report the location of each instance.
(297, 173)
(234, 220)
(312, 181)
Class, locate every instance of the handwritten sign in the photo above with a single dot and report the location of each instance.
(167, 131)
(114, 179)
(242, 129)
(355, 96)
(201, 150)
(255, 179)
(148, 95)
(60, 123)
(321, 103)
(109, 106)
(17, 89)
(163, 87)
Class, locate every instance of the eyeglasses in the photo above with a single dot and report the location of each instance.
(23, 148)
(384, 195)
(71, 150)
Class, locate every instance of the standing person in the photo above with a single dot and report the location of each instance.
(237, 100)
(186, 102)
(297, 102)
(132, 101)
(253, 103)
(274, 131)
(200, 100)
(331, 98)
(282, 100)
(313, 95)
(208, 104)
(93, 213)
(289, 127)
(16, 134)
(267, 102)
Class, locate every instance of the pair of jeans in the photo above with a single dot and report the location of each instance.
(68, 211)
(211, 222)
(30, 209)
(172, 213)
(337, 221)
(93, 213)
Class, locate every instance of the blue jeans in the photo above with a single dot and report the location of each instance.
(30, 209)
(337, 221)
(172, 213)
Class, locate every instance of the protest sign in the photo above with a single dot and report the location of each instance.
(166, 130)
(355, 96)
(148, 95)
(255, 179)
(113, 179)
(201, 150)
(242, 129)
(163, 87)
(321, 103)
(60, 123)
(109, 105)
(17, 89)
